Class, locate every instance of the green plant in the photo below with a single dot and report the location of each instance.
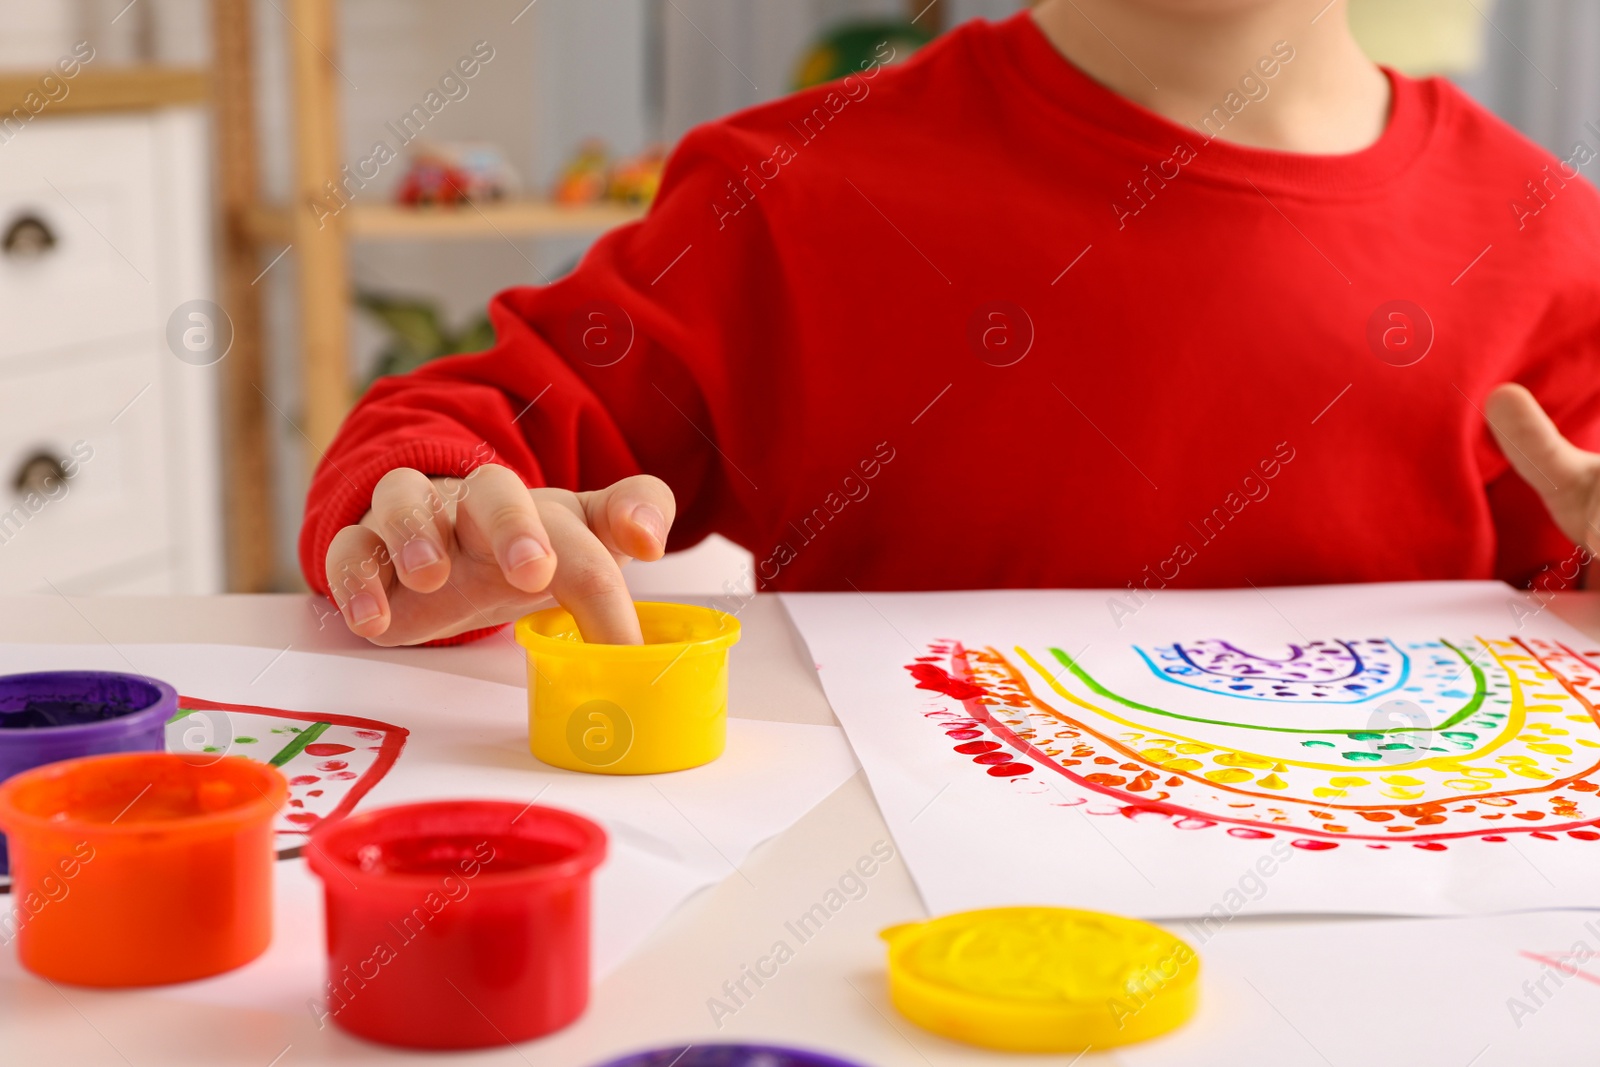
(417, 333)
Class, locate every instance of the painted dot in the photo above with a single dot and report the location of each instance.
(1248, 834)
(332, 765)
(963, 735)
(1311, 845)
(1429, 846)
(305, 779)
(1009, 770)
(992, 758)
(327, 749)
(972, 748)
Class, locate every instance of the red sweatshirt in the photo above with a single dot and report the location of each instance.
(976, 321)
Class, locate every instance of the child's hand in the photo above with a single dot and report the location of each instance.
(1567, 477)
(439, 556)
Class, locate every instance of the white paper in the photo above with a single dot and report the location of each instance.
(1454, 771)
(1501, 991)
(669, 835)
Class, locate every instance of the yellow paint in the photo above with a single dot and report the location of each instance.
(1043, 980)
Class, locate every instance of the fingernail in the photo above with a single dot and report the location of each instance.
(523, 551)
(655, 524)
(418, 554)
(363, 609)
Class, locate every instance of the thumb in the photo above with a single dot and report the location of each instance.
(1561, 472)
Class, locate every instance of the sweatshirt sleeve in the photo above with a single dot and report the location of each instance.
(629, 365)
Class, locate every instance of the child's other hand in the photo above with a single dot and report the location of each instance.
(439, 556)
(1566, 477)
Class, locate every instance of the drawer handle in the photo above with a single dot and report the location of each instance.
(28, 237)
(43, 473)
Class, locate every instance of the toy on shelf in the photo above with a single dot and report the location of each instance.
(636, 180)
(583, 179)
(591, 176)
(455, 172)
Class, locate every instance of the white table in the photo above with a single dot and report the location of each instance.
(829, 996)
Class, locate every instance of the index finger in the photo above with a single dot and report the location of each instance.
(1531, 441)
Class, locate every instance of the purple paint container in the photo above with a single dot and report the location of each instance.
(731, 1055)
(57, 715)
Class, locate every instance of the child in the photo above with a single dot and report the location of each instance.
(1115, 293)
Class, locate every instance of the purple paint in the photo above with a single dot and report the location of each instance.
(714, 1055)
(58, 715)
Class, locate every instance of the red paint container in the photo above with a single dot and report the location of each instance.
(457, 924)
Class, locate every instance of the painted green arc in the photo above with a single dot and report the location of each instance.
(1480, 690)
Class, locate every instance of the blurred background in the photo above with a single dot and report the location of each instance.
(222, 219)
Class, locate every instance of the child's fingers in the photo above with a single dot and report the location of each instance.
(1532, 443)
(406, 511)
(589, 582)
(632, 517)
(358, 571)
(499, 508)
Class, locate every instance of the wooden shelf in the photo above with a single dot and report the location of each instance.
(110, 89)
(507, 218)
(526, 218)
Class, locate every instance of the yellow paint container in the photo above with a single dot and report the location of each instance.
(1042, 979)
(629, 709)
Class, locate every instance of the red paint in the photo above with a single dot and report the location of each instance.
(962, 735)
(1145, 812)
(369, 735)
(1311, 845)
(333, 765)
(1009, 770)
(1493, 837)
(321, 748)
(507, 921)
(305, 779)
(1194, 822)
(1247, 833)
(343, 776)
(1431, 846)
(302, 818)
(313, 792)
(989, 758)
(1377, 846)
(937, 680)
(972, 748)
(1543, 836)
(1584, 835)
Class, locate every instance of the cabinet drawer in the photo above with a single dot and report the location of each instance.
(78, 217)
(100, 419)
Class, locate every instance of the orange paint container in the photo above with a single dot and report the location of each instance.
(141, 868)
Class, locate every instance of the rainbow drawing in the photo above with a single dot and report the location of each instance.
(1369, 742)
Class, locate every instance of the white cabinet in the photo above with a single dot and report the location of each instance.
(108, 441)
